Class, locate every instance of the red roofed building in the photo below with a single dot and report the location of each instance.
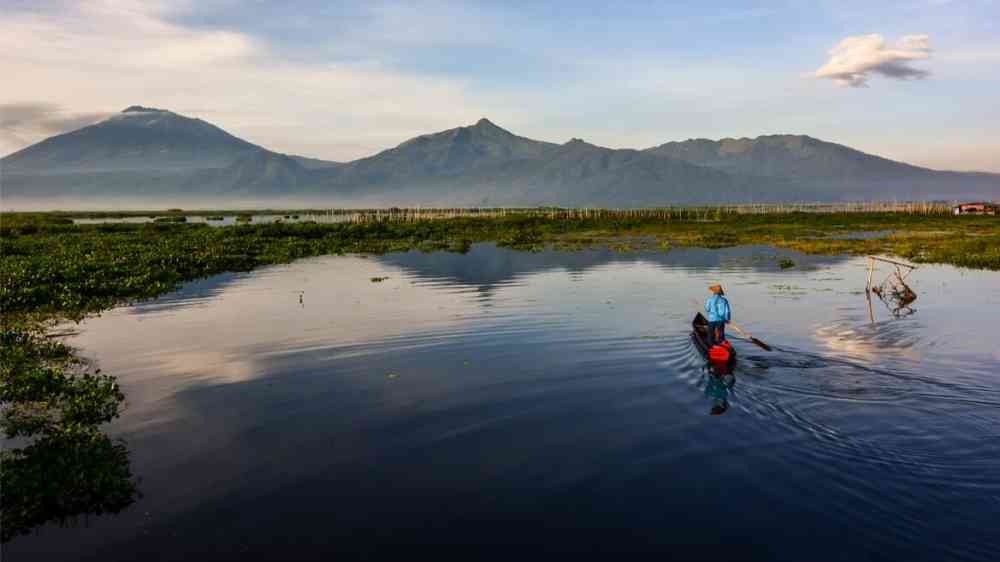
(975, 209)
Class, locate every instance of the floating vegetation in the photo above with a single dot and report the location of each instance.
(392, 376)
(50, 265)
(215, 218)
(378, 279)
(786, 263)
(244, 218)
(54, 405)
(787, 290)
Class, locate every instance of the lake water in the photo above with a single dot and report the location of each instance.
(503, 404)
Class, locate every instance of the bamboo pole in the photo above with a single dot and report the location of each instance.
(892, 262)
(871, 270)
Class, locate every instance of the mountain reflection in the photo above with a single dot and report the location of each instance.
(487, 266)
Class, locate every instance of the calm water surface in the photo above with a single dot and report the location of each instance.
(502, 404)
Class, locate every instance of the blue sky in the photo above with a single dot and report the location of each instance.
(340, 80)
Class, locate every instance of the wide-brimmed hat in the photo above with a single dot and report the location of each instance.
(717, 289)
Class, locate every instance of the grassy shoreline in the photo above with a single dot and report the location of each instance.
(49, 265)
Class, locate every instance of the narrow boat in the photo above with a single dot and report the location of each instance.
(719, 356)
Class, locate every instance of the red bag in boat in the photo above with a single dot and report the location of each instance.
(721, 352)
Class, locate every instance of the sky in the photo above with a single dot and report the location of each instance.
(914, 80)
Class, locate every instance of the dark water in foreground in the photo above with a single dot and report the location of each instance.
(502, 404)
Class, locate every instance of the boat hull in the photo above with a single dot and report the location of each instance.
(722, 356)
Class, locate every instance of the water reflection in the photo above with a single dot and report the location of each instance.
(717, 387)
(62, 477)
(486, 268)
(493, 402)
(56, 464)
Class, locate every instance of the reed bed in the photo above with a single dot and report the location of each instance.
(410, 214)
(685, 213)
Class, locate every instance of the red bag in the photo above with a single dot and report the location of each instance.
(721, 352)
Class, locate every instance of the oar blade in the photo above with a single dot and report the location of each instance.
(760, 344)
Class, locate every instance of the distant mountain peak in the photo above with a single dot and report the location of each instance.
(579, 143)
(143, 109)
(139, 138)
(484, 125)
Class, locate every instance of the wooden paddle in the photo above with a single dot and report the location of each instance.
(752, 339)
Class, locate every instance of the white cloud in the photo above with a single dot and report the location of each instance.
(855, 58)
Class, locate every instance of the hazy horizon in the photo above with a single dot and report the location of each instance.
(910, 81)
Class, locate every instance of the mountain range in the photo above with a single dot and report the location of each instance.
(147, 156)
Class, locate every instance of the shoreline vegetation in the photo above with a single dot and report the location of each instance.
(420, 213)
(55, 271)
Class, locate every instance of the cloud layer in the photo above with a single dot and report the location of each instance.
(30, 120)
(855, 58)
(105, 55)
(341, 80)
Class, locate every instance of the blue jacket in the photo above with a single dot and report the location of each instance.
(718, 309)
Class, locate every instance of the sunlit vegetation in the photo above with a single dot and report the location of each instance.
(688, 212)
(52, 267)
(171, 219)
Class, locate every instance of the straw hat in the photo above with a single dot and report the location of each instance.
(717, 289)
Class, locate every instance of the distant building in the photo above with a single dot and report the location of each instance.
(976, 209)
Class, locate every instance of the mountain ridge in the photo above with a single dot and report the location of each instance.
(760, 154)
(146, 152)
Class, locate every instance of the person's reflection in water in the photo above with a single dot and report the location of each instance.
(717, 387)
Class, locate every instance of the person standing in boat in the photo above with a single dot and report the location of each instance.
(719, 314)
